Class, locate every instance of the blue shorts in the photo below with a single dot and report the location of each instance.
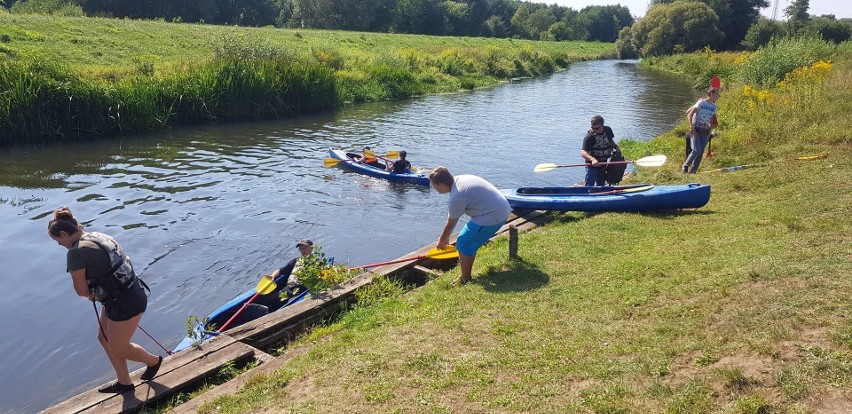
(473, 236)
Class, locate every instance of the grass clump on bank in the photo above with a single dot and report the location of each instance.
(83, 77)
(738, 307)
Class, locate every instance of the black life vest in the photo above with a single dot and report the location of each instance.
(120, 276)
(401, 166)
(603, 145)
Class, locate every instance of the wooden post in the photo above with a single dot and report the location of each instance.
(513, 242)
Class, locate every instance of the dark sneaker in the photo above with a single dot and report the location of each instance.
(151, 371)
(684, 169)
(116, 388)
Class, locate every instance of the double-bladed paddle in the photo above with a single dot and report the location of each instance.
(448, 253)
(389, 154)
(331, 162)
(652, 161)
(264, 287)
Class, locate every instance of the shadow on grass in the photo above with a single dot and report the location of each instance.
(670, 214)
(517, 276)
(570, 217)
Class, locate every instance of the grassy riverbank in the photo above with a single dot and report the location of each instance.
(738, 307)
(77, 77)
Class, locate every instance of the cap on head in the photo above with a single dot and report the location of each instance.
(304, 242)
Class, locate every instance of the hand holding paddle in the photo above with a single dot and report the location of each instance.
(264, 287)
(449, 253)
(652, 161)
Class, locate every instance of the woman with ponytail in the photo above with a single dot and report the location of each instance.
(100, 271)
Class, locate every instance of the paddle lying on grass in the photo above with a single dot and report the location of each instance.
(652, 161)
(449, 253)
(264, 287)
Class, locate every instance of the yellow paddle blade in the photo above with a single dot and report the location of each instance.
(370, 154)
(544, 167)
(266, 285)
(813, 157)
(448, 253)
(330, 162)
(392, 154)
(637, 189)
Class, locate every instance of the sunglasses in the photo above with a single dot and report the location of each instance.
(597, 126)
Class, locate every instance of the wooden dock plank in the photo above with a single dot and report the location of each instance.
(270, 328)
(234, 385)
(176, 372)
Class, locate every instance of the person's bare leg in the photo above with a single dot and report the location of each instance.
(121, 348)
(119, 365)
(466, 265)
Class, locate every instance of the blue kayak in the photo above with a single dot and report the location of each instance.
(261, 306)
(348, 162)
(642, 197)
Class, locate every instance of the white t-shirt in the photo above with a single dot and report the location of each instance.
(704, 111)
(479, 199)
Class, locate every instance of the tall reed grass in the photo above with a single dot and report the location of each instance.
(43, 100)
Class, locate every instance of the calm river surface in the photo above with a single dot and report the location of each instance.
(204, 212)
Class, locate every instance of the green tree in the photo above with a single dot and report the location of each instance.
(458, 19)
(735, 17)
(682, 26)
(539, 21)
(603, 23)
(624, 45)
(830, 29)
(520, 22)
(761, 33)
(496, 27)
(419, 16)
(797, 15)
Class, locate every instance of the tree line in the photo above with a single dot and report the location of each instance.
(670, 26)
(489, 18)
(688, 25)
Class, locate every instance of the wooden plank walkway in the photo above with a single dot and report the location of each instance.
(177, 372)
(243, 343)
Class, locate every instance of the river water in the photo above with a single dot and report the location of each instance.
(205, 211)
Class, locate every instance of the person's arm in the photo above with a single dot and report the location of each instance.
(80, 285)
(444, 238)
(689, 114)
(585, 154)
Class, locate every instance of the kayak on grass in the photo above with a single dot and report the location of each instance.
(640, 197)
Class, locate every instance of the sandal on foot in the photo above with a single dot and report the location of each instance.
(116, 388)
(151, 371)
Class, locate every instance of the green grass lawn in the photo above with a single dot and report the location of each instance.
(741, 306)
(120, 46)
(72, 78)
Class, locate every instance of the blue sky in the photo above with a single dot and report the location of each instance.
(839, 8)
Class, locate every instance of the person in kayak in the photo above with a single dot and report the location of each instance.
(482, 202)
(100, 271)
(370, 160)
(401, 165)
(598, 146)
(700, 119)
(306, 248)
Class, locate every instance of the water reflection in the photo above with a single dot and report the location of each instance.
(205, 211)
